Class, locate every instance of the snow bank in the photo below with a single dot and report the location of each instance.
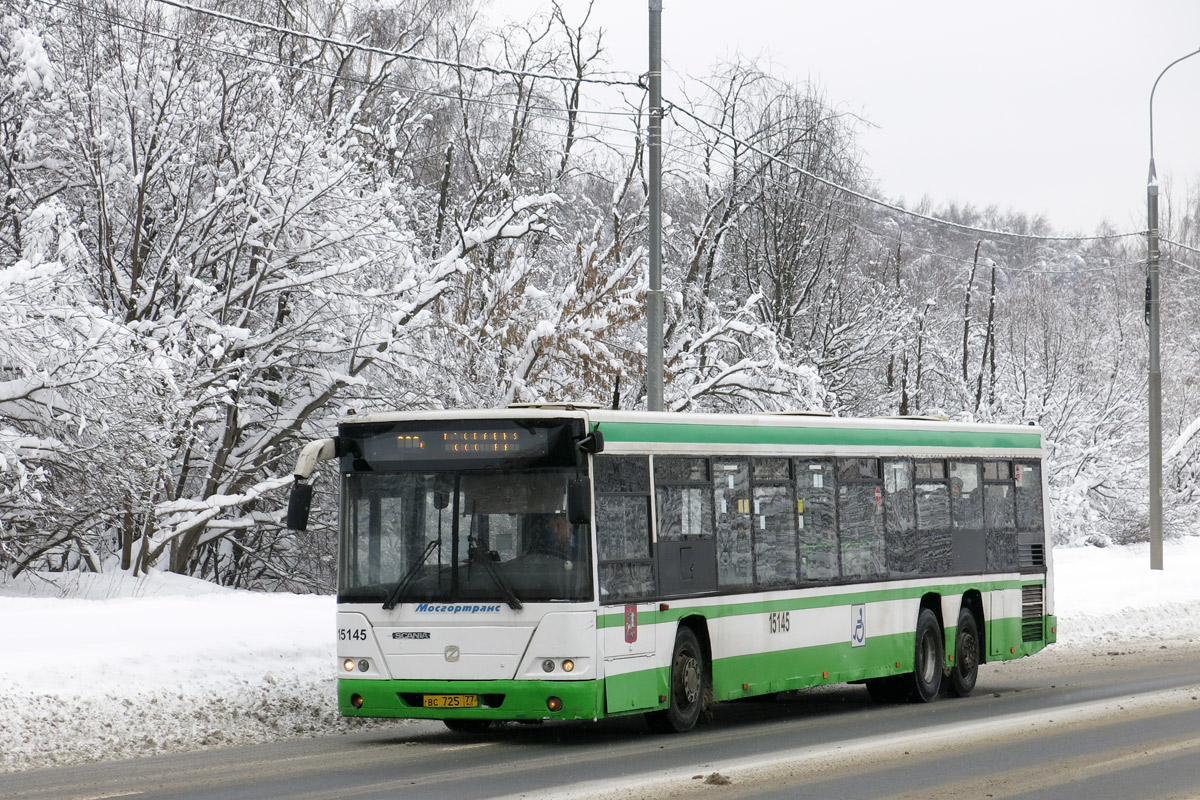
(1111, 594)
(95, 667)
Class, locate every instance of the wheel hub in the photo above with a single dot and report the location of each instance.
(928, 658)
(967, 654)
(689, 680)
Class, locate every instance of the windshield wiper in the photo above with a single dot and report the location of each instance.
(477, 553)
(394, 595)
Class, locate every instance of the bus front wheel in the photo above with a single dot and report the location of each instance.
(688, 679)
(926, 678)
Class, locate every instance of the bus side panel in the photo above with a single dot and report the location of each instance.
(639, 689)
(1016, 630)
(1004, 624)
(635, 671)
(758, 652)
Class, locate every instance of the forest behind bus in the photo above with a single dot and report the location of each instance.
(218, 237)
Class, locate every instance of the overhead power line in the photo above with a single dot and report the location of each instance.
(637, 85)
(536, 112)
(440, 62)
(883, 203)
(850, 219)
(1180, 245)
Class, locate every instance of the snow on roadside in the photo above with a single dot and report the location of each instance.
(1111, 594)
(98, 667)
(109, 666)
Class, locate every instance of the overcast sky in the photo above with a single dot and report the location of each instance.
(1037, 105)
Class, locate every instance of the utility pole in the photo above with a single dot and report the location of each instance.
(654, 298)
(1155, 369)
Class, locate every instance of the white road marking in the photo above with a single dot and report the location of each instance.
(924, 739)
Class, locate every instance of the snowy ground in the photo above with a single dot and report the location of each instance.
(98, 667)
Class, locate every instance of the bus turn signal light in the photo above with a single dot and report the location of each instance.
(356, 700)
(554, 704)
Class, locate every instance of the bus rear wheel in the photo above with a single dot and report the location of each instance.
(688, 687)
(965, 671)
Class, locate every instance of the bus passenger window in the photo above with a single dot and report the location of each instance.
(816, 520)
(1029, 496)
(998, 506)
(966, 500)
(900, 518)
(683, 498)
(774, 531)
(860, 517)
(731, 504)
(623, 528)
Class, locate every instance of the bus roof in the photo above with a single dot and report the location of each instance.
(636, 431)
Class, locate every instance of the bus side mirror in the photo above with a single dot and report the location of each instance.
(592, 443)
(298, 505)
(579, 506)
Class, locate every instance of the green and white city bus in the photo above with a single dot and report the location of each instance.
(703, 557)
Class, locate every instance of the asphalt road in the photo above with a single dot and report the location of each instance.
(1066, 724)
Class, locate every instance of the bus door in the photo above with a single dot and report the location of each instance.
(628, 588)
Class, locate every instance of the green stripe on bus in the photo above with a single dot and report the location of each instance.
(803, 667)
(673, 433)
(730, 608)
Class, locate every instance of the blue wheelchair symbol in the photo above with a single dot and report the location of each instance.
(858, 635)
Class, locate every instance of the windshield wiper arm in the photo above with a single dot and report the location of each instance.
(478, 553)
(394, 595)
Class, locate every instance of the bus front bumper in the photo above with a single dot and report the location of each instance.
(495, 700)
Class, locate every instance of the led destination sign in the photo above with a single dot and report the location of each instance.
(451, 443)
(409, 443)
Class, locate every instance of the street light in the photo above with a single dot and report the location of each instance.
(1155, 369)
(654, 297)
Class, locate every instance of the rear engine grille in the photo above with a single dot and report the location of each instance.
(1032, 555)
(1032, 613)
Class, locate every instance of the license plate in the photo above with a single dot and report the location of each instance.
(451, 701)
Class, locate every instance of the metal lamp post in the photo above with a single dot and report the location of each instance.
(1155, 369)
(654, 298)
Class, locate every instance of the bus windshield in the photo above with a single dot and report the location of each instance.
(496, 536)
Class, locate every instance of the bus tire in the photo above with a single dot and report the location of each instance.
(687, 690)
(467, 725)
(965, 670)
(926, 678)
